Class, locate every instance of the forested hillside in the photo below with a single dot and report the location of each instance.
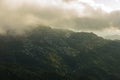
(55, 54)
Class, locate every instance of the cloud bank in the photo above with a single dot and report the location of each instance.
(19, 15)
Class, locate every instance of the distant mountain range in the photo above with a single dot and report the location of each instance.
(53, 54)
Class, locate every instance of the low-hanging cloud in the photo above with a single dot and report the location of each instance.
(21, 17)
(57, 13)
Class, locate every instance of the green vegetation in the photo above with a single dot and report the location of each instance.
(52, 54)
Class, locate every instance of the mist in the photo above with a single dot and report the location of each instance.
(19, 16)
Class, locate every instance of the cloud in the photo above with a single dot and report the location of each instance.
(25, 15)
(68, 0)
(114, 18)
(19, 15)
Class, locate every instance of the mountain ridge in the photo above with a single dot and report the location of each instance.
(46, 54)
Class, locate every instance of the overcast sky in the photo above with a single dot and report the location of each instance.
(99, 16)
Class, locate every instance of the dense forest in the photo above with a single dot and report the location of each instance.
(45, 53)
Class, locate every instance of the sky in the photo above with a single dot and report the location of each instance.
(99, 16)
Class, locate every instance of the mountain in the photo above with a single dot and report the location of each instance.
(113, 37)
(54, 54)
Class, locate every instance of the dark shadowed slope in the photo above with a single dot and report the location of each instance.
(52, 54)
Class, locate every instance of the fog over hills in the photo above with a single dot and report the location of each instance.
(79, 15)
(59, 40)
